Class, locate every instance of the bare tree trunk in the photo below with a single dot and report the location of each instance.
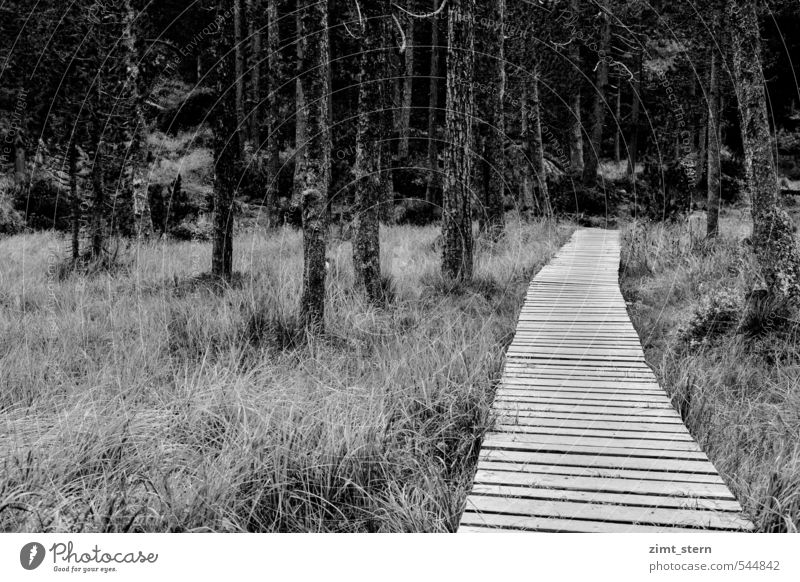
(495, 137)
(137, 157)
(300, 133)
(714, 183)
(20, 161)
(457, 215)
(241, 124)
(633, 156)
(225, 148)
(433, 105)
(97, 226)
(254, 32)
(773, 237)
(273, 123)
(315, 79)
(75, 202)
(618, 115)
(527, 200)
(404, 128)
(369, 163)
(599, 109)
(575, 123)
(535, 144)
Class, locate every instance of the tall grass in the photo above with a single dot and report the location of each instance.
(150, 399)
(731, 364)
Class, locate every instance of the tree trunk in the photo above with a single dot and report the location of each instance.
(714, 183)
(300, 131)
(635, 114)
(527, 200)
(773, 238)
(75, 202)
(273, 123)
(137, 158)
(254, 10)
(97, 225)
(618, 114)
(457, 211)
(238, 27)
(599, 108)
(404, 128)
(575, 124)
(315, 79)
(495, 121)
(225, 120)
(433, 106)
(535, 144)
(20, 161)
(368, 165)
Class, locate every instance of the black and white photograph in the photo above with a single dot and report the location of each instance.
(522, 267)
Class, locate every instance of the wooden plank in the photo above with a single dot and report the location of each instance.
(605, 484)
(514, 442)
(581, 424)
(472, 522)
(629, 499)
(618, 513)
(584, 432)
(620, 474)
(629, 411)
(600, 461)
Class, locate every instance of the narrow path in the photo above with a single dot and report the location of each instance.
(585, 438)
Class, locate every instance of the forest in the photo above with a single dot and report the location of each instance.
(261, 260)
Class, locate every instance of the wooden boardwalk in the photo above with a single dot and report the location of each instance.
(585, 438)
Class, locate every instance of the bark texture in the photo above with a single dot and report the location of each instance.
(271, 111)
(599, 108)
(137, 158)
(457, 212)
(714, 147)
(226, 149)
(773, 237)
(316, 178)
(575, 127)
(433, 107)
(404, 125)
(369, 150)
(495, 136)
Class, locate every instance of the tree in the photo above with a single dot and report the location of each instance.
(241, 55)
(433, 107)
(714, 148)
(274, 76)
(575, 125)
(316, 176)
(369, 159)
(404, 117)
(457, 211)
(599, 107)
(773, 239)
(137, 156)
(532, 139)
(226, 145)
(495, 120)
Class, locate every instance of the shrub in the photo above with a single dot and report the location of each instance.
(718, 313)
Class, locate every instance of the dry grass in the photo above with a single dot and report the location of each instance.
(151, 400)
(737, 383)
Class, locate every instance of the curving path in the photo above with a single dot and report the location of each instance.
(585, 438)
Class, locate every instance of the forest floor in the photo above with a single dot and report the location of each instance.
(730, 362)
(150, 399)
